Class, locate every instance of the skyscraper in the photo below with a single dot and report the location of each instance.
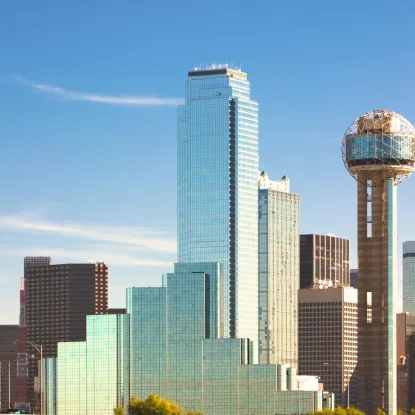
(327, 339)
(379, 152)
(58, 299)
(36, 261)
(324, 258)
(218, 188)
(409, 277)
(170, 343)
(279, 271)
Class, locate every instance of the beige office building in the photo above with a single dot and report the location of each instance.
(328, 339)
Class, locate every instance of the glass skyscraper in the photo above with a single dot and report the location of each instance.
(279, 271)
(217, 188)
(409, 277)
(170, 343)
(174, 340)
(93, 376)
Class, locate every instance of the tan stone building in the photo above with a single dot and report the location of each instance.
(328, 339)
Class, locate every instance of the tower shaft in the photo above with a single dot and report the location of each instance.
(377, 260)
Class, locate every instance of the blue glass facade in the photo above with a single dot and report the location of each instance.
(49, 386)
(71, 378)
(170, 343)
(379, 147)
(93, 376)
(174, 340)
(217, 188)
(409, 277)
(147, 308)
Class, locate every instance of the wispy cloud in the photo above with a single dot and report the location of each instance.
(110, 258)
(71, 95)
(143, 238)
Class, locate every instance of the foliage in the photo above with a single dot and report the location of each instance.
(339, 411)
(155, 405)
(413, 411)
(380, 412)
(119, 410)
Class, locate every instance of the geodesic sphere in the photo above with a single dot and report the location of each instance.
(380, 140)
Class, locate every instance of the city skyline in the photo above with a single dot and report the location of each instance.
(81, 138)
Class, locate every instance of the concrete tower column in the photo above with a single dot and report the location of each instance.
(376, 259)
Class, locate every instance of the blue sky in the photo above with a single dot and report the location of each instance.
(88, 92)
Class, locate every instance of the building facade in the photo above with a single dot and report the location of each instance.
(279, 271)
(405, 356)
(217, 188)
(354, 274)
(8, 365)
(328, 339)
(58, 298)
(171, 343)
(324, 258)
(36, 261)
(408, 273)
(379, 152)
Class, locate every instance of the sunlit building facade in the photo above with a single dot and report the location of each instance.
(93, 376)
(328, 339)
(279, 271)
(217, 188)
(170, 343)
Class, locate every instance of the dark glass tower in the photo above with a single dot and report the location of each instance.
(324, 258)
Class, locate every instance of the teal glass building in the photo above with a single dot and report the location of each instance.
(217, 188)
(171, 343)
(194, 340)
(93, 376)
(408, 273)
(279, 271)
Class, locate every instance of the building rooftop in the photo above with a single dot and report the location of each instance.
(217, 69)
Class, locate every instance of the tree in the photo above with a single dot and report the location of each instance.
(354, 411)
(155, 405)
(339, 411)
(119, 410)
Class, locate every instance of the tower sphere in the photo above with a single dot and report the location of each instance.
(380, 140)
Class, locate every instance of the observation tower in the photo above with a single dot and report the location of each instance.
(379, 152)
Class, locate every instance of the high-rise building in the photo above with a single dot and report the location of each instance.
(58, 297)
(36, 261)
(405, 356)
(218, 187)
(409, 277)
(8, 364)
(379, 152)
(171, 343)
(324, 258)
(328, 339)
(354, 274)
(279, 271)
